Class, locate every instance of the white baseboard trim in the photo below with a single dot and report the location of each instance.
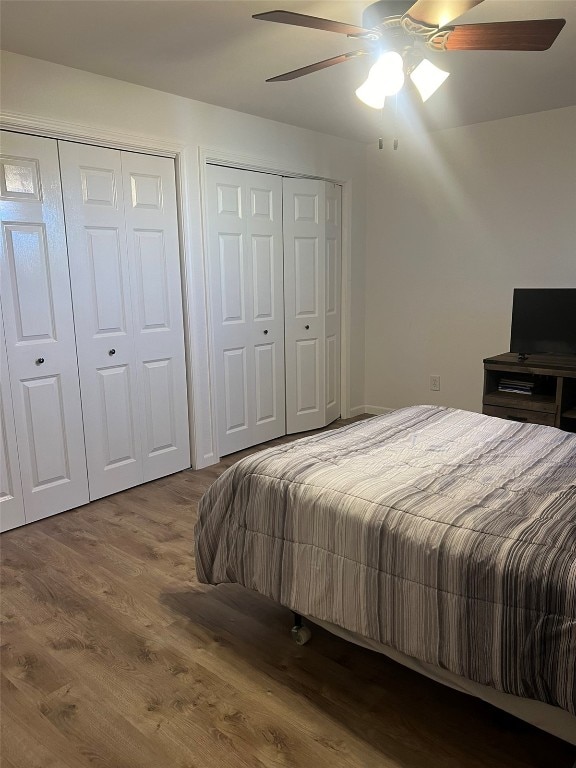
(377, 410)
(374, 410)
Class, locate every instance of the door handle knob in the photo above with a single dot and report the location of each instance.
(265, 332)
(111, 351)
(39, 361)
(307, 327)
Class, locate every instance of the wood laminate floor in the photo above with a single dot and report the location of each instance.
(114, 656)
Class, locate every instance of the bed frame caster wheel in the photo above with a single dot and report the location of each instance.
(301, 634)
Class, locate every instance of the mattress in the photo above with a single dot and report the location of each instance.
(445, 535)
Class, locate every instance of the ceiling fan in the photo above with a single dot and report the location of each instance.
(399, 32)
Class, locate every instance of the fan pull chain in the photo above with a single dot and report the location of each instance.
(395, 141)
(395, 145)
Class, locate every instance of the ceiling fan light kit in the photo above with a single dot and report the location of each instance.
(370, 95)
(385, 78)
(428, 78)
(396, 32)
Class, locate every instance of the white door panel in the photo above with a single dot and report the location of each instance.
(42, 398)
(153, 300)
(27, 260)
(116, 410)
(232, 298)
(236, 390)
(333, 292)
(39, 328)
(106, 281)
(244, 232)
(11, 499)
(19, 176)
(265, 366)
(166, 449)
(125, 268)
(307, 204)
(264, 228)
(101, 289)
(229, 196)
(332, 274)
(154, 255)
(332, 371)
(263, 268)
(312, 302)
(308, 375)
(306, 269)
(161, 418)
(232, 332)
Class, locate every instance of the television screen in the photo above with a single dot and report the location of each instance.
(544, 321)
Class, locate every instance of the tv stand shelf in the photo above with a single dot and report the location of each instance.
(553, 382)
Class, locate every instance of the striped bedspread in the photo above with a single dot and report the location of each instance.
(447, 535)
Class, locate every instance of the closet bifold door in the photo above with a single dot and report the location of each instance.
(39, 332)
(244, 239)
(332, 302)
(154, 257)
(312, 287)
(124, 267)
(100, 275)
(11, 499)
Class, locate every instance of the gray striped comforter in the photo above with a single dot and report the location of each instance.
(447, 535)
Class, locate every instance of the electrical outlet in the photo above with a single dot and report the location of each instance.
(435, 383)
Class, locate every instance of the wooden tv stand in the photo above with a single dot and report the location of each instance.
(553, 401)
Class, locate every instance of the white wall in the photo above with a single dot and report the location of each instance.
(455, 221)
(51, 92)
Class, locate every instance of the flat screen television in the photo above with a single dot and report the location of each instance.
(544, 321)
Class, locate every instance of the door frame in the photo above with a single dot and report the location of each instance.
(217, 156)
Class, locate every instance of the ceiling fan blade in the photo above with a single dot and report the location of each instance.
(314, 22)
(316, 67)
(438, 13)
(537, 35)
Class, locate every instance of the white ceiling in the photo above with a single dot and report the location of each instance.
(215, 52)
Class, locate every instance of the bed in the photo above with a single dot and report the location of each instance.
(444, 538)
